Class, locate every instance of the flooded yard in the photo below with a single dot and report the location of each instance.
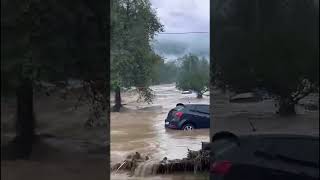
(260, 117)
(67, 149)
(140, 128)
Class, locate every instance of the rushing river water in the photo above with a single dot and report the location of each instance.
(140, 128)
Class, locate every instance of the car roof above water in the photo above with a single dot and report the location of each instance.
(188, 105)
(192, 106)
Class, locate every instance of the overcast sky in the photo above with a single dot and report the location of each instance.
(182, 16)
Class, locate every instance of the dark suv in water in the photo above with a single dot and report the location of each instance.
(188, 117)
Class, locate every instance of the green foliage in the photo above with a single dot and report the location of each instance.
(193, 74)
(133, 25)
(145, 94)
(51, 41)
(164, 72)
(56, 39)
(275, 47)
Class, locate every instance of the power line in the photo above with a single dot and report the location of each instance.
(204, 32)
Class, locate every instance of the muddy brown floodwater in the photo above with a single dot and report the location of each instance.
(140, 128)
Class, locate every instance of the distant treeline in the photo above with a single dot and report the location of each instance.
(189, 72)
(165, 72)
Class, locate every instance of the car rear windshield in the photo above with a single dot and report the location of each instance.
(179, 108)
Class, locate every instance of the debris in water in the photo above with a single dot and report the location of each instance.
(186, 92)
(120, 166)
(137, 156)
(196, 161)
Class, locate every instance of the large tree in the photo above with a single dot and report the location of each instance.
(267, 44)
(51, 41)
(193, 74)
(133, 25)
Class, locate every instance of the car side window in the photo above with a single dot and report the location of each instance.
(193, 108)
(203, 109)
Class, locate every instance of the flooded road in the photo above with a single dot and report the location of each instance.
(140, 128)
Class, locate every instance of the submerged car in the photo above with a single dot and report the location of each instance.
(264, 157)
(188, 117)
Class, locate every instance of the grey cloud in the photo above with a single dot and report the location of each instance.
(174, 47)
(182, 16)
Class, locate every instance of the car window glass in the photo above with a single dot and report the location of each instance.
(179, 108)
(203, 109)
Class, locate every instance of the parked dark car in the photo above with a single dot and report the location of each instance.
(264, 157)
(188, 117)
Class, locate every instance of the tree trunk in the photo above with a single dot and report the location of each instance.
(118, 105)
(199, 95)
(286, 106)
(25, 122)
(224, 90)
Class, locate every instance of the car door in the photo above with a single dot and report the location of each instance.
(203, 119)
